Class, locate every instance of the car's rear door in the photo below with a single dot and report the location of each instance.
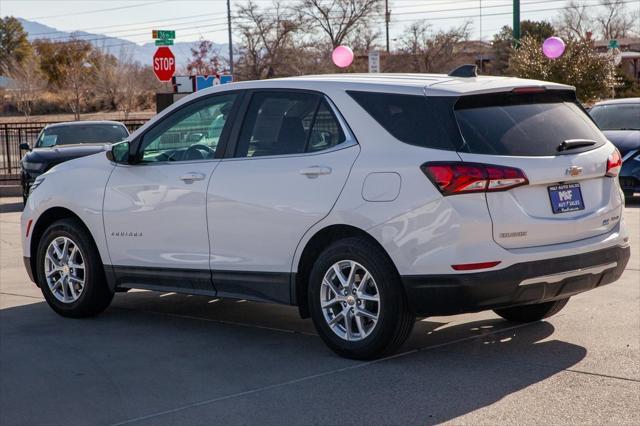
(562, 153)
(291, 160)
(155, 210)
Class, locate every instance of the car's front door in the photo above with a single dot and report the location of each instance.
(155, 209)
(291, 160)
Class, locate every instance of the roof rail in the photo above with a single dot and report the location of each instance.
(467, 70)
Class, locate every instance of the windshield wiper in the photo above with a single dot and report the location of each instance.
(575, 143)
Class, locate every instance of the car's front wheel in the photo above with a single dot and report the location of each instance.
(357, 302)
(531, 313)
(69, 270)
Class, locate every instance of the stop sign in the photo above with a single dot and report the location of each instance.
(164, 64)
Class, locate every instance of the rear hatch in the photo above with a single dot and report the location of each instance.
(564, 156)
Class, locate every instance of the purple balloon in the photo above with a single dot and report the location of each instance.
(553, 47)
(342, 56)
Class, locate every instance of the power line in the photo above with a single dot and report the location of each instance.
(100, 10)
(157, 21)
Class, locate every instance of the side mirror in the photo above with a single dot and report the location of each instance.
(25, 147)
(119, 153)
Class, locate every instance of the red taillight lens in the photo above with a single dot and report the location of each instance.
(460, 178)
(474, 266)
(614, 163)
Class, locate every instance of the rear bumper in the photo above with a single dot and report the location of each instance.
(520, 284)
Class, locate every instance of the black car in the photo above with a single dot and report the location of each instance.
(60, 142)
(619, 120)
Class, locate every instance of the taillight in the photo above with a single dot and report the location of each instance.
(614, 163)
(461, 178)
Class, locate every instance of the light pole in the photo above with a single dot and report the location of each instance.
(516, 22)
(387, 16)
(230, 38)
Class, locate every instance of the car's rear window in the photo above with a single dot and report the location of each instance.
(82, 133)
(617, 116)
(523, 124)
(414, 119)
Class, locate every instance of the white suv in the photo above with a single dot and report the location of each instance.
(365, 200)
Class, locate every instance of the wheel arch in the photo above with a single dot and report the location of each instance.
(48, 217)
(314, 246)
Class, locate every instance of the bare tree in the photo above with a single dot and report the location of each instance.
(575, 21)
(615, 21)
(267, 41)
(131, 89)
(337, 19)
(26, 83)
(205, 60)
(610, 19)
(425, 51)
(79, 71)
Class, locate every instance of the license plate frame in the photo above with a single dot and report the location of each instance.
(565, 198)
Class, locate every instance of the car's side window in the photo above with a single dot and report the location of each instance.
(326, 131)
(281, 123)
(192, 133)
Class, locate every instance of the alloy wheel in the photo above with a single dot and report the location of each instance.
(350, 300)
(64, 269)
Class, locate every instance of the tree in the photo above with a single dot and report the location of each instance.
(26, 83)
(503, 41)
(615, 21)
(425, 51)
(71, 68)
(205, 60)
(575, 21)
(610, 19)
(14, 45)
(592, 74)
(267, 46)
(338, 19)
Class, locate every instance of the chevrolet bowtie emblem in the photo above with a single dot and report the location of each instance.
(574, 171)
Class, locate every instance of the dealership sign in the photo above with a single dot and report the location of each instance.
(193, 83)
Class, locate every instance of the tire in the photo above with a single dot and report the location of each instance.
(531, 313)
(367, 339)
(94, 296)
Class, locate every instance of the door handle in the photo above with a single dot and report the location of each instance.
(315, 171)
(191, 177)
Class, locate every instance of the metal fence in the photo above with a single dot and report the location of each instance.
(14, 134)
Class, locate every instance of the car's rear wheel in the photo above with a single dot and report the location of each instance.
(70, 273)
(357, 302)
(531, 313)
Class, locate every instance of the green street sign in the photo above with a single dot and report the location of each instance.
(164, 42)
(163, 34)
(613, 44)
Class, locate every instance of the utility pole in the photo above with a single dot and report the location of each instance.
(230, 39)
(387, 18)
(516, 22)
(480, 20)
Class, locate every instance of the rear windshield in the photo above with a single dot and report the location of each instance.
(617, 116)
(82, 133)
(416, 120)
(523, 125)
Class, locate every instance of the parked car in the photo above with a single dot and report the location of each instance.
(619, 120)
(365, 200)
(60, 142)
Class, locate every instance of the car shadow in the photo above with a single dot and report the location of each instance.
(11, 207)
(233, 362)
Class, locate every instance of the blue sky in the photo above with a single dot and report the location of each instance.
(192, 19)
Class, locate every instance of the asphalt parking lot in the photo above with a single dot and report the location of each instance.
(156, 358)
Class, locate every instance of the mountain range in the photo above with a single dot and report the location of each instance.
(117, 46)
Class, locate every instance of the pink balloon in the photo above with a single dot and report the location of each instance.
(342, 56)
(553, 47)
